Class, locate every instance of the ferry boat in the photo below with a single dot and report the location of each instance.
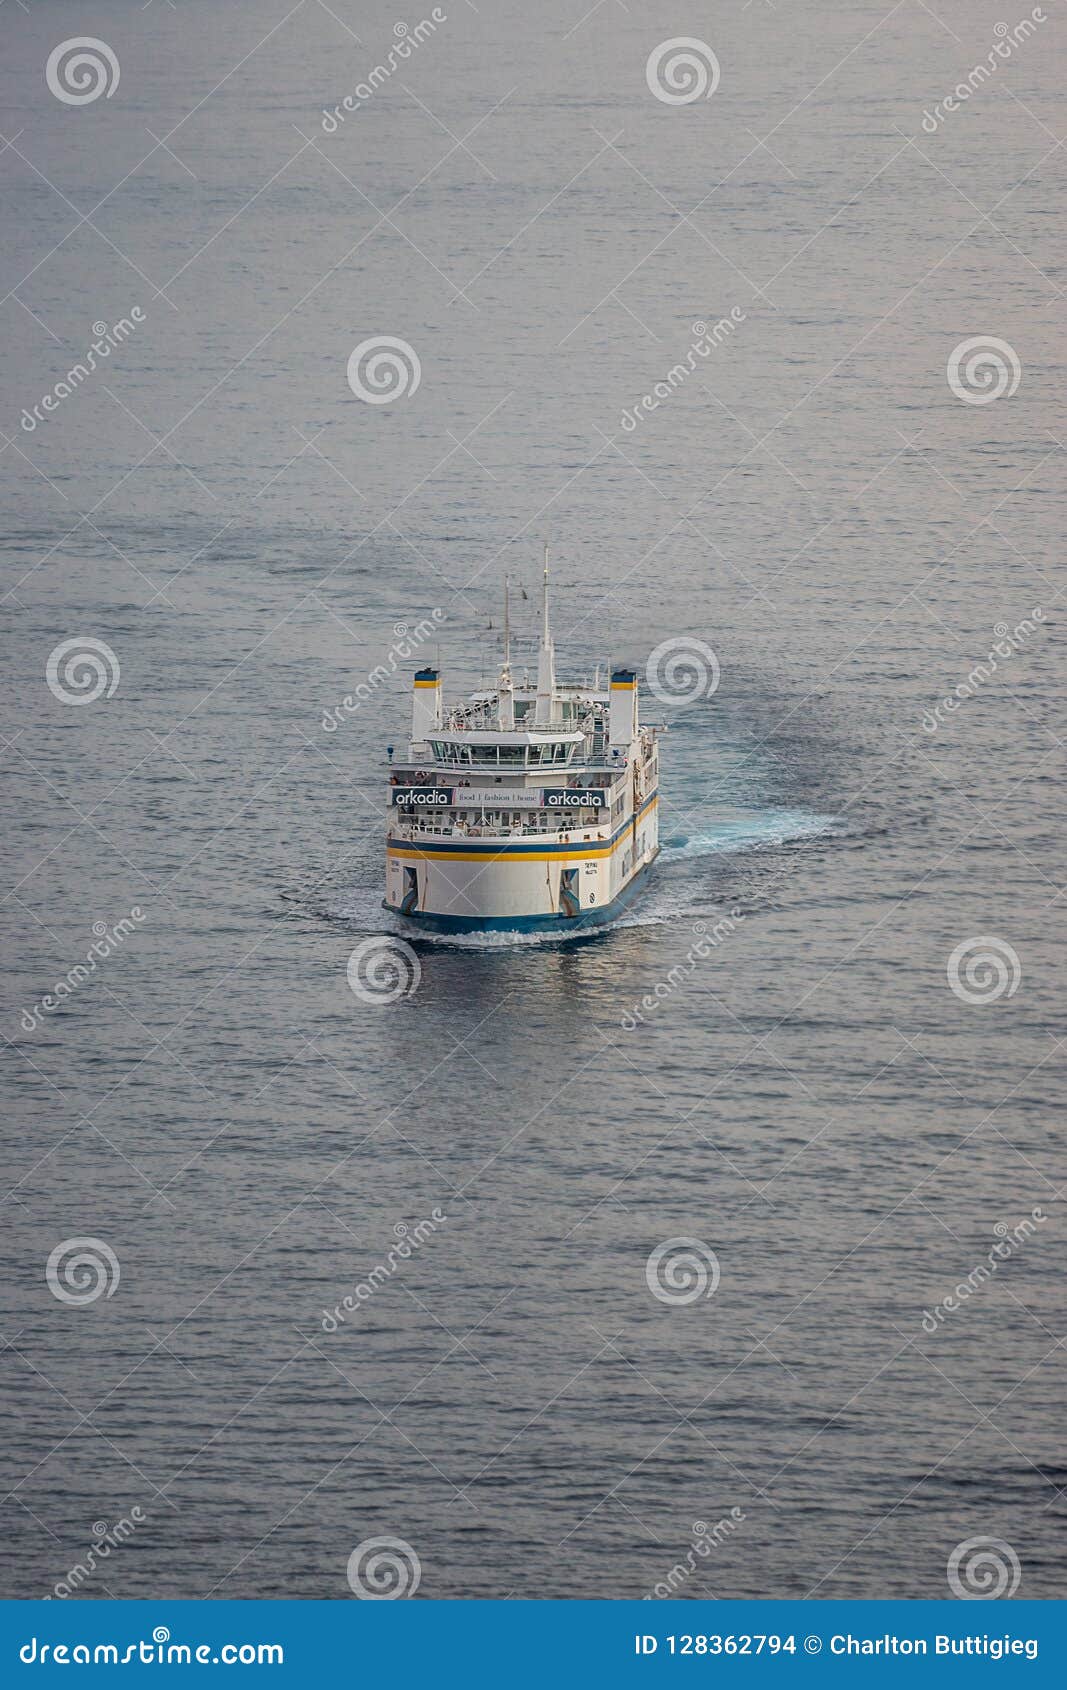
(524, 808)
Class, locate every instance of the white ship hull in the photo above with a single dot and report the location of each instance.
(578, 879)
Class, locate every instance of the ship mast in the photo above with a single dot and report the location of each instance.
(505, 690)
(546, 664)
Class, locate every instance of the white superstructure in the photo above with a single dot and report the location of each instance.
(526, 807)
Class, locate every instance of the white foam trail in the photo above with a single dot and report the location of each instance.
(502, 939)
(775, 827)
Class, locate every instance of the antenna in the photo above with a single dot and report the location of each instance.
(507, 623)
(505, 689)
(546, 636)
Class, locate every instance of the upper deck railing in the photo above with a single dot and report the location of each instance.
(406, 770)
(422, 828)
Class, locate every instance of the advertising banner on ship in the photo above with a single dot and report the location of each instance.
(576, 798)
(482, 797)
(422, 797)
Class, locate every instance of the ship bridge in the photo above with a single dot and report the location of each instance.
(506, 750)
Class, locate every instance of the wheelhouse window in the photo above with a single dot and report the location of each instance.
(555, 752)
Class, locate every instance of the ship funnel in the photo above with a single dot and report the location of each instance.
(425, 704)
(622, 726)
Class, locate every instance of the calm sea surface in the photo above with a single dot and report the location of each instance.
(805, 1095)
